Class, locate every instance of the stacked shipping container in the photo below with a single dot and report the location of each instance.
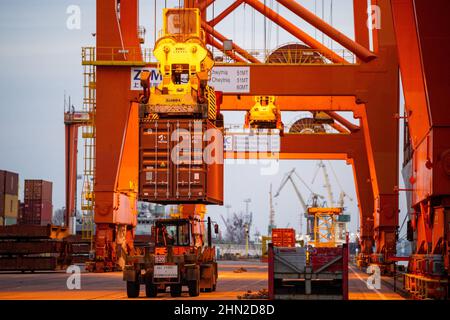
(283, 237)
(37, 208)
(9, 200)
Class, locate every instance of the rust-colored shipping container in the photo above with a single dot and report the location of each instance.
(36, 212)
(283, 237)
(11, 183)
(38, 190)
(173, 165)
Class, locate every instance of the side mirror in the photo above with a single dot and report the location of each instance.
(216, 228)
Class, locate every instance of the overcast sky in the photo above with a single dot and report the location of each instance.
(40, 61)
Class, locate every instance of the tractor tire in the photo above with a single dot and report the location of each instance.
(133, 288)
(194, 288)
(151, 290)
(175, 290)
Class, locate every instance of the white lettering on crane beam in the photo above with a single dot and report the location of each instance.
(226, 79)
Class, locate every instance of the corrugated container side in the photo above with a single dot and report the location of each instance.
(190, 179)
(2, 181)
(11, 183)
(36, 212)
(283, 237)
(38, 190)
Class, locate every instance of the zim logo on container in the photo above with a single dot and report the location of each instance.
(155, 77)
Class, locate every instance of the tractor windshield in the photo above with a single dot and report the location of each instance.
(173, 234)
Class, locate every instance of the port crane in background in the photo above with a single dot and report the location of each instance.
(271, 212)
(314, 199)
(321, 165)
(340, 222)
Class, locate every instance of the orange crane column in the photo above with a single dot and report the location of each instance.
(381, 130)
(364, 192)
(112, 108)
(71, 136)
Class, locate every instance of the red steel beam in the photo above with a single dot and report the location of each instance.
(350, 126)
(210, 40)
(292, 29)
(339, 128)
(210, 30)
(362, 52)
(225, 13)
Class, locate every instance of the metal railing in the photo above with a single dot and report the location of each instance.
(91, 55)
(289, 56)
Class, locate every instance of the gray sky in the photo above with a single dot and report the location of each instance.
(40, 61)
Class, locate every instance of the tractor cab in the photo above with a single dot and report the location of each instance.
(176, 233)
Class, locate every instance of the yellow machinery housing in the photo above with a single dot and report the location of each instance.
(264, 114)
(185, 65)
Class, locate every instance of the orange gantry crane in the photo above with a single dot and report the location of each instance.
(412, 36)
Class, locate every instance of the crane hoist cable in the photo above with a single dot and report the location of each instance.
(265, 31)
(343, 193)
(331, 23)
(245, 20)
(315, 12)
(234, 25)
(278, 26)
(154, 19)
(269, 29)
(323, 17)
(253, 30)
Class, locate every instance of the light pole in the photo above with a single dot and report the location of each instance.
(246, 239)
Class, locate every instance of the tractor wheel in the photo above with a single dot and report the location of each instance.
(175, 290)
(151, 290)
(194, 288)
(133, 288)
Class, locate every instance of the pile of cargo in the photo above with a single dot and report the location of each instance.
(9, 201)
(33, 248)
(37, 208)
